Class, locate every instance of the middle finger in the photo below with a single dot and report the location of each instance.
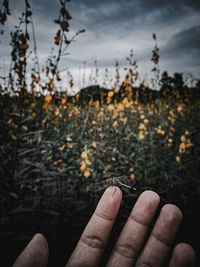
(134, 232)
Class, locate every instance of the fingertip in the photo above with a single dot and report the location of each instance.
(36, 253)
(153, 196)
(172, 212)
(146, 206)
(183, 255)
(39, 238)
(113, 191)
(110, 202)
(186, 248)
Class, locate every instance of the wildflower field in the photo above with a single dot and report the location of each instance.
(51, 152)
(53, 147)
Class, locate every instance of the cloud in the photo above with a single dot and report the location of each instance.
(186, 40)
(184, 46)
(115, 27)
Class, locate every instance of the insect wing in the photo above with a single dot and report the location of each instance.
(95, 187)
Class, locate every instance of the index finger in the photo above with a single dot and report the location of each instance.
(92, 243)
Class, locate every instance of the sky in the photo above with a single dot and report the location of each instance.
(113, 28)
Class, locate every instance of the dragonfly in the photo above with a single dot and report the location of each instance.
(112, 181)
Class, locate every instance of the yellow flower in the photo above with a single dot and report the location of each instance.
(94, 144)
(57, 112)
(124, 120)
(14, 125)
(84, 155)
(13, 137)
(10, 121)
(62, 148)
(110, 93)
(183, 139)
(69, 145)
(97, 104)
(70, 114)
(142, 116)
(63, 101)
(178, 159)
(146, 121)
(141, 135)
(132, 176)
(160, 131)
(125, 102)
(68, 139)
(56, 162)
(179, 109)
(88, 162)
(37, 79)
(120, 107)
(87, 173)
(182, 148)
(115, 125)
(100, 114)
(46, 106)
(48, 98)
(142, 126)
(170, 140)
(83, 166)
(111, 107)
(108, 168)
(186, 132)
(189, 144)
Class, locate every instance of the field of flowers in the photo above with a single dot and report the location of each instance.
(54, 148)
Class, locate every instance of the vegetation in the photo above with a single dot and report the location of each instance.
(54, 146)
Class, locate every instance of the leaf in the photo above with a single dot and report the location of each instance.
(28, 13)
(64, 25)
(33, 133)
(25, 151)
(19, 210)
(22, 171)
(24, 46)
(14, 195)
(154, 36)
(16, 114)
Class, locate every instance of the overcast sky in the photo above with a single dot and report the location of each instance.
(113, 28)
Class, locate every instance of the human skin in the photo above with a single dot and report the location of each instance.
(130, 248)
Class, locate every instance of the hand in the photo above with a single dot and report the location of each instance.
(130, 249)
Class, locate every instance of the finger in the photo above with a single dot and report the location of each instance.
(183, 256)
(134, 232)
(93, 241)
(35, 254)
(158, 246)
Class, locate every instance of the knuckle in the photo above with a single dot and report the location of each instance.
(126, 250)
(93, 241)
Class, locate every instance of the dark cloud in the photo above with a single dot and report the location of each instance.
(113, 27)
(184, 44)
